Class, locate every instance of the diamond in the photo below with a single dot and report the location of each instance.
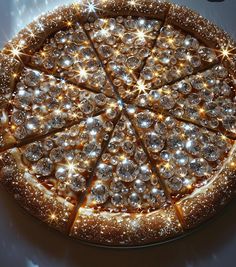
(127, 170)
(144, 120)
(104, 171)
(154, 142)
(199, 167)
(100, 193)
(34, 152)
(44, 167)
(77, 183)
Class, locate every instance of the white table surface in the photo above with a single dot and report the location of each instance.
(25, 242)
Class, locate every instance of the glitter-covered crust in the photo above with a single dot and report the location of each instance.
(126, 229)
(9, 67)
(32, 196)
(104, 227)
(209, 199)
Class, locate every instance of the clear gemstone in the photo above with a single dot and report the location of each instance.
(211, 153)
(34, 152)
(104, 171)
(154, 142)
(77, 183)
(199, 167)
(117, 200)
(44, 167)
(65, 62)
(134, 200)
(166, 170)
(181, 158)
(144, 120)
(100, 193)
(127, 170)
(32, 78)
(57, 154)
(175, 184)
(145, 173)
(139, 186)
(92, 150)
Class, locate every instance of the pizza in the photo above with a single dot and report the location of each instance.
(118, 120)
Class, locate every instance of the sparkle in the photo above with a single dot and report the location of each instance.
(141, 35)
(227, 53)
(91, 7)
(141, 87)
(82, 73)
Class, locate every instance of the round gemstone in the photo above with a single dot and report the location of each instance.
(175, 184)
(128, 147)
(145, 173)
(34, 152)
(134, 200)
(181, 158)
(127, 170)
(133, 62)
(211, 152)
(117, 200)
(32, 78)
(77, 183)
(139, 186)
(44, 167)
(104, 171)
(144, 120)
(92, 150)
(156, 196)
(199, 167)
(166, 170)
(154, 142)
(100, 193)
(57, 154)
(65, 62)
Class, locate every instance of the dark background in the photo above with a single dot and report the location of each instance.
(25, 242)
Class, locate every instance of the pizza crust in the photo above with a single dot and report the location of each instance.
(123, 229)
(32, 196)
(206, 201)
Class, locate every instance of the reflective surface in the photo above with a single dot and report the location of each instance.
(27, 242)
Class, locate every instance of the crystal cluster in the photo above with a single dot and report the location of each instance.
(207, 99)
(69, 55)
(186, 156)
(174, 56)
(78, 133)
(123, 44)
(124, 176)
(43, 103)
(63, 162)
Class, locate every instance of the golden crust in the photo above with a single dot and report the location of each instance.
(32, 196)
(122, 229)
(9, 69)
(209, 199)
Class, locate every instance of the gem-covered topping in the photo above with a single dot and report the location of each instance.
(123, 44)
(43, 103)
(69, 55)
(120, 114)
(186, 156)
(207, 99)
(124, 179)
(63, 162)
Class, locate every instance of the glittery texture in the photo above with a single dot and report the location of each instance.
(117, 120)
